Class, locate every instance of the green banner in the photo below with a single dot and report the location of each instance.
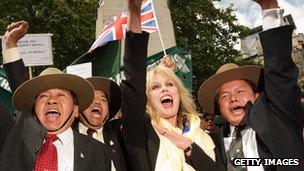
(5, 92)
(183, 62)
(106, 62)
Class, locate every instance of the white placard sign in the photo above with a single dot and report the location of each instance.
(83, 70)
(35, 49)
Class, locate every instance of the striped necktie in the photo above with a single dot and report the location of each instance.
(90, 132)
(236, 150)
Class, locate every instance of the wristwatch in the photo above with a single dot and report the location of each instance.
(189, 148)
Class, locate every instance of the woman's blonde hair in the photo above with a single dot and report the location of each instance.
(186, 107)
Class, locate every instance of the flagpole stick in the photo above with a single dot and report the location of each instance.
(30, 72)
(161, 41)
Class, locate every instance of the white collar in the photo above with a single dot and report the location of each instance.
(65, 136)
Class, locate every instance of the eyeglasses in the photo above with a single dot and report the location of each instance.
(209, 119)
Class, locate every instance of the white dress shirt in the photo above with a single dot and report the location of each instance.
(98, 135)
(65, 150)
(249, 143)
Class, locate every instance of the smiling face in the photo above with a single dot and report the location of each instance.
(163, 97)
(55, 109)
(232, 98)
(96, 115)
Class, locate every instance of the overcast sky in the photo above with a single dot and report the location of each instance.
(248, 12)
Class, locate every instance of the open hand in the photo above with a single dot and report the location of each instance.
(178, 140)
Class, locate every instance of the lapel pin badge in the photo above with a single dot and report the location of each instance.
(111, 142)
(81, 155)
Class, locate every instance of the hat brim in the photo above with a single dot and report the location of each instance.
(209, 88)
(25, 95)
(112, 91)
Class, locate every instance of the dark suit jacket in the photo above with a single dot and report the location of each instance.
(113, 141)
(7, 123)
(277, 116)
(141, 139)
(25, 137)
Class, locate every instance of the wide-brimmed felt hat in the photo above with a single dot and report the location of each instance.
(226, 73)
(25, 95)
(112, 91)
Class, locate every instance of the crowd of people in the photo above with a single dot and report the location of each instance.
(65, 122)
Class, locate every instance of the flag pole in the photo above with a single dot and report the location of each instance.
(30, 72)
(158, 30)
(161, 41)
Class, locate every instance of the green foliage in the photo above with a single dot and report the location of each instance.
(208, 33)
(72, 23)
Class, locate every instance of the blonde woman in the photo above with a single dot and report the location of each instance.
(170, 109)
(167, 136)
(174, 116)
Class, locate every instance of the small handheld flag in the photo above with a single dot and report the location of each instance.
(117, 26)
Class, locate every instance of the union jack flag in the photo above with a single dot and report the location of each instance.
(117, 26)
(148, 18)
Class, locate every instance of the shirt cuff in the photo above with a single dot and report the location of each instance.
(272, 18)
(10, 55)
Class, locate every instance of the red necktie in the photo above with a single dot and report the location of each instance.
(47, 157)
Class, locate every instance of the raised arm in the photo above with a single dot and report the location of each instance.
(13, 64)
(280, 74)
(133, 88)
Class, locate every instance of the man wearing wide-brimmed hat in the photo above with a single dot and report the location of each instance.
(108, 98)
(261, 124)
(41, 137)
(95, 121)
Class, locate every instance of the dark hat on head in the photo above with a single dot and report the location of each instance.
(112, 91)
(25, 95)
(226, 73)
